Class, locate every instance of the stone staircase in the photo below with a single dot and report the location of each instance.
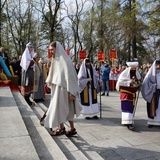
(70, 146)
(45, 146)
(15, 140)
(39, 143)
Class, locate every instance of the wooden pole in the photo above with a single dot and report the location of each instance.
(100, 93)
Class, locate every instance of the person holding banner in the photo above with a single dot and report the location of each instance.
(128, 84)
(88, 81)
(151, 93)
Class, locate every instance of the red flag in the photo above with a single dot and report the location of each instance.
(113, 54)
(68, 51)
(101, 56)
(82, 55)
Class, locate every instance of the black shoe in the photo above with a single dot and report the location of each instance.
(88, 118)
(36, 100)
(42, 100)
(102, 94)
(150, 126)
(28, 100)
(130, 127)
(71, 133)
(107, 94)
(95, 117)
(39, 100)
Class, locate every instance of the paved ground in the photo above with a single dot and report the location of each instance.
(22, 137)
(114, 141)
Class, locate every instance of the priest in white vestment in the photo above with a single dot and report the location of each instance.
(63, 81)
(151, 93)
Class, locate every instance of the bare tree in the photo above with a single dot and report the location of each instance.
(75, 14)
(2, 18)
(21, 24)
(51, 21)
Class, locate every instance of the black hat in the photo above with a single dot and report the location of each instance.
(87, 60)
(157, 61)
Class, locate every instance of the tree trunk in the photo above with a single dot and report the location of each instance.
(134, 47)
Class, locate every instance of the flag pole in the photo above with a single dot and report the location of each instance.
(136, 101)
(100, 96)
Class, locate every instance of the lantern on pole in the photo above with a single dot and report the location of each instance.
(82, 55)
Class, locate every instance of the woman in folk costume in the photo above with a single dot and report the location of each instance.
(151, 93)
(128, 84)
(27, 79)
(38, 89)
(88, 80)
(64, 104)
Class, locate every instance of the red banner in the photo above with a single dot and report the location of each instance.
(101, 56)
(82, 55)
(68, 51)
(113, 54)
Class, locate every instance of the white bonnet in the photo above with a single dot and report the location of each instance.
(132, 64)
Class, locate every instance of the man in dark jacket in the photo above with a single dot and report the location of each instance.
(105, 71)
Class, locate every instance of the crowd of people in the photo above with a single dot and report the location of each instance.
(74, 87)
(29, 73)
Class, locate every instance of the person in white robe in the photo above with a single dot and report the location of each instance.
(88, 81)
(151, 93)
(63, 81)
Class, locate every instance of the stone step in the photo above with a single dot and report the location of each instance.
(15, 141)
(70, 145)
(44, 144)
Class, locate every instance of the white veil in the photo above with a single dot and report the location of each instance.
(62, 71)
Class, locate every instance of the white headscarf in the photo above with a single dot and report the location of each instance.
(132, 64)
(62, 71)
(125, 78)
(82, 76)
(149, 83)
(27, 56)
